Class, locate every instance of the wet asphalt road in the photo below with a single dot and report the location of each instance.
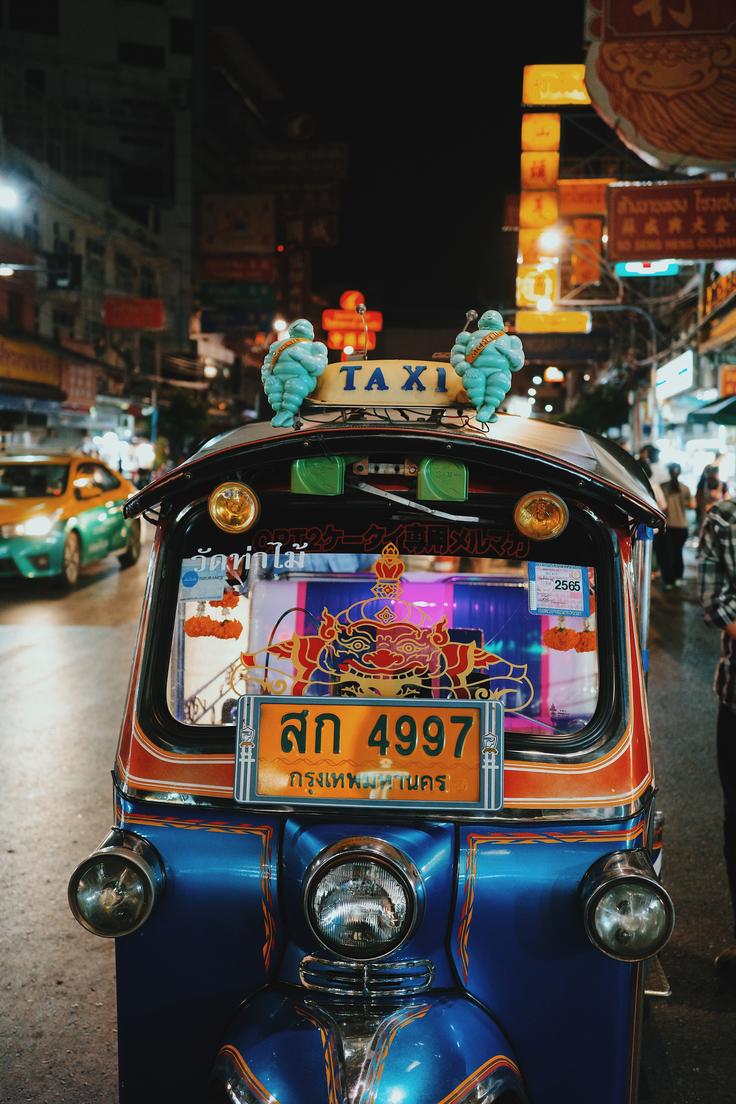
(64, 663)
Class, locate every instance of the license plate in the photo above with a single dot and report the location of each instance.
(444, 755)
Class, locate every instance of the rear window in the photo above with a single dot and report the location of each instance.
(409, 611)
(33, 480)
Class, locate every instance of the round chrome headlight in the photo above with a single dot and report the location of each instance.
(113, 891)
(362, 898)
(628, 913)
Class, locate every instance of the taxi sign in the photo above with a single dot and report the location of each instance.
(390, 383)
(441, 754)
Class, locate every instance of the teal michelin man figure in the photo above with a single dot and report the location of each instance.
(290, 371)
(484, 360)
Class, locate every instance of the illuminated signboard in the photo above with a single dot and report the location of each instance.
(675, 376)
(540, 132)
(583, 197)
(647, 268)
(553, 85)
(539, 171)
(535, 282)
(537, 209)
(572, 321)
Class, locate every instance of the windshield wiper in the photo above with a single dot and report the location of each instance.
(411, 505)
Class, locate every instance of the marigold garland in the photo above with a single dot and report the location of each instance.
(229, 600)
(562, 640)
(586, 641)
(207, 626)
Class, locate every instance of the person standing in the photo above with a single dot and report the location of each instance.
(678, 500)
(717, 584)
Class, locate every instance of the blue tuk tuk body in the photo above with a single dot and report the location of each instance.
(498, 992)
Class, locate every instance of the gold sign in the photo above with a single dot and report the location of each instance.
(539, 171)
(528, 321)
(540, 131)
(22, 360)
(717, 293)
(529, 247)
(389, 383)
(554, 85)
(537, 210)
(586, 251)
(583, 197)
(535, 282)
(727, 380)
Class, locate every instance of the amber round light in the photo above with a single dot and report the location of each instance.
(234, 507)
(541, 515)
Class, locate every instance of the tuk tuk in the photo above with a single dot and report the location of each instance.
(384, 806)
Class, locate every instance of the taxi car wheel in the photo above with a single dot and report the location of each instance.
(70, 562)
(132, 552)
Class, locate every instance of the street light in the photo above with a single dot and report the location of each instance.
(6, 270)
(9, 198)
(551, 239)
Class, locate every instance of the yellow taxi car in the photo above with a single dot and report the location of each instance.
(60, 512)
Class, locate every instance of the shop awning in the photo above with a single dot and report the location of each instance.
(722, 412)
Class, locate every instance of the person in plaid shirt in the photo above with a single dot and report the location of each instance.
(717, 579)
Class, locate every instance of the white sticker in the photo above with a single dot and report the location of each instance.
(195, 583)
(559, 589)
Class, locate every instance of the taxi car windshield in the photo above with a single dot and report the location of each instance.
(385, 625)
(21, 480)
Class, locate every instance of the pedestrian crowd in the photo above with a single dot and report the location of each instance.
(715, 514)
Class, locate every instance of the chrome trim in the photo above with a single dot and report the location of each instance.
(612, 869)
(368, 980)
(136, 851)
(353, 848)
(656, 982)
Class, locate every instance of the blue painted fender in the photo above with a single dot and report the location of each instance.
(287, 1046)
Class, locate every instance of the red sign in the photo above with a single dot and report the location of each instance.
(124, 313)
(240, 267)
(661, 74)
(347, 319)
(338, 339)
(80, 383)
(689, 221)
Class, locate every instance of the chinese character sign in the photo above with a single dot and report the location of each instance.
(540, 132)
(693, 221)
(539, 170)
(537, 209)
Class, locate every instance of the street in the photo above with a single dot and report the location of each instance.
(65, 663)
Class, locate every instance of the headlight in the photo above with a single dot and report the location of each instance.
(362, 898)
(38, 526)
(113, 891)
(628, 913)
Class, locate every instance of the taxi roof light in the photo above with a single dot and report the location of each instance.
(234, 507)
(541, 515)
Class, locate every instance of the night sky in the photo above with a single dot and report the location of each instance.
(430, 107)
